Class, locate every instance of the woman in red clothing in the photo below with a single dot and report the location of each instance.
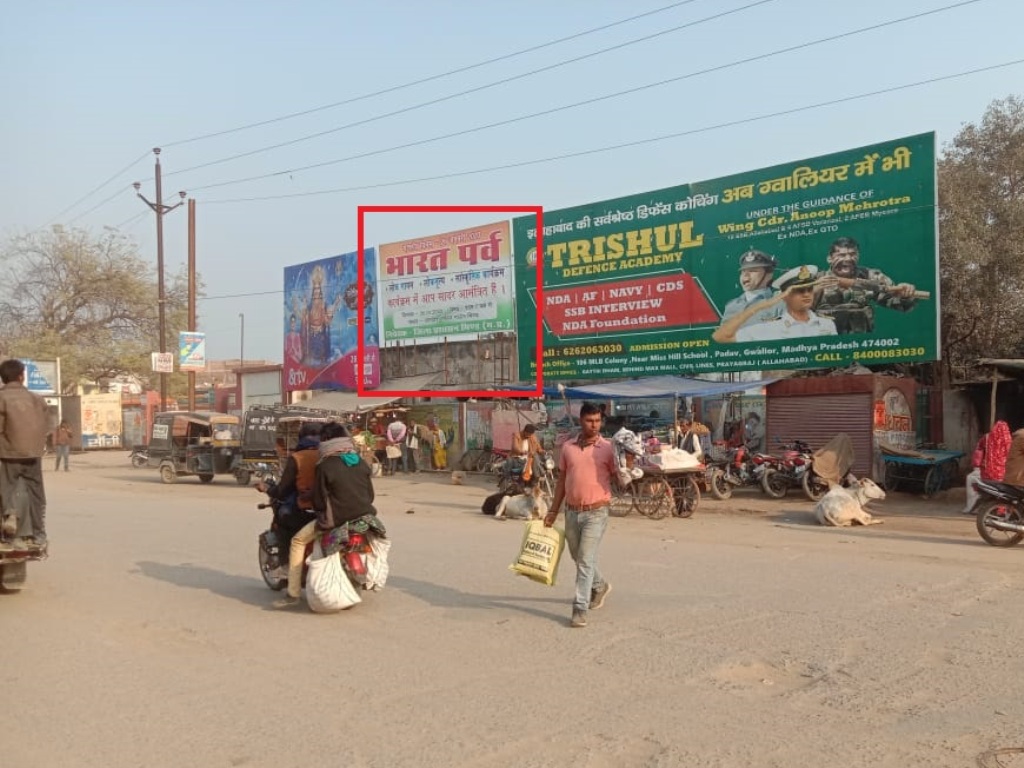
(994, 448)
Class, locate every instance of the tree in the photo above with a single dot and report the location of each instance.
(91, 301)
(981, 229)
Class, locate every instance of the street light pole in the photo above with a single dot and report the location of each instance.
(241, 351)
(160, 209)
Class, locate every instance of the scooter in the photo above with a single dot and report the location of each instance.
(1000, 513)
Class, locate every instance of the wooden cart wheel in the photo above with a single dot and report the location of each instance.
(932, 482)
(891, 482)
(654, 498)
(623, 500)
(686, 498)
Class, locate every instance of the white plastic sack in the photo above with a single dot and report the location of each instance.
(972, 493)
(328, 588)
(675, 458)
(377, 563)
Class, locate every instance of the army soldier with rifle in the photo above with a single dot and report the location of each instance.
(848, 292)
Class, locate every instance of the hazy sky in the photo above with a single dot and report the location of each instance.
(90, 88)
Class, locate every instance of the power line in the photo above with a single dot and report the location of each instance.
(431, 78)
(100, 204)
(476, 89)
(132, 220)
(92, 192)
(625, 145)
(354, 99)
(596, 99)
(239, 295)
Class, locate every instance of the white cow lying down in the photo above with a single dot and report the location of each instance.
(845, 506)
(523, 506)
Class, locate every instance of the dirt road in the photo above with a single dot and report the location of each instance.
(745, 636)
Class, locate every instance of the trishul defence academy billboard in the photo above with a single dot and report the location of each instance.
(817, 263)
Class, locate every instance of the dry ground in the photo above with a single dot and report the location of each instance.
(745, 636)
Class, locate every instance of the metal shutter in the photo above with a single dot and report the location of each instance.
(816, 419)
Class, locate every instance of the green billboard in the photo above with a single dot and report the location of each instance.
(816, 263)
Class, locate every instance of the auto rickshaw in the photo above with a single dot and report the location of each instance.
(287, 436)
(200, 443)
(261, 441)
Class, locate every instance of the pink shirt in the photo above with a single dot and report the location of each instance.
(588, 472)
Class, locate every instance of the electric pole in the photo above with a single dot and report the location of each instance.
(160, 209)
(192, 294)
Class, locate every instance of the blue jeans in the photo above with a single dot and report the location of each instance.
(583, 534)
(63, 452)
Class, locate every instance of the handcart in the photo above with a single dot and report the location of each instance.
(662, 490)
(929, 470)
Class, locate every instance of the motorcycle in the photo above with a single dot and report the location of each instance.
(741, 468)
(139, 456)
(787, 470)
(829, 465)
(510, 476)
(275, 544)
(1000, 513)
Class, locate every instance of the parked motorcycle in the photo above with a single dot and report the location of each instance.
(510, 476)
(829, 465)
(741, 468)
(1000, 513)
(787, 469)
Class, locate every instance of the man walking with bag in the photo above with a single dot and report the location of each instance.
(587, 467)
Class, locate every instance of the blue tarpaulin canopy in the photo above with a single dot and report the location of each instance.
(657, 386)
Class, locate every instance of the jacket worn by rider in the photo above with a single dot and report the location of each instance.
(299, 476)
(23, 422)
(343, 491)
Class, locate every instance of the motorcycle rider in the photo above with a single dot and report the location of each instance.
(294, 490)
(527, 451)
(342, 492)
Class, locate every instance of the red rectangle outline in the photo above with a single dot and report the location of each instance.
(537, 210)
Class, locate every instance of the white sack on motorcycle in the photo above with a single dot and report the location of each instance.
(328, 588)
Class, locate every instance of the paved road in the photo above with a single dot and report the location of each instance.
(729, 640)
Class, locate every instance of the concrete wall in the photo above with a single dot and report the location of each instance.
(476, 364)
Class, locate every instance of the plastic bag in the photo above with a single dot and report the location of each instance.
(393, 452)
(328, 588)
(540, 552)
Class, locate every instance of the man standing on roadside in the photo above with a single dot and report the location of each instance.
(62, 445)
(587, 467)
(396, 449)
(23, 428)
